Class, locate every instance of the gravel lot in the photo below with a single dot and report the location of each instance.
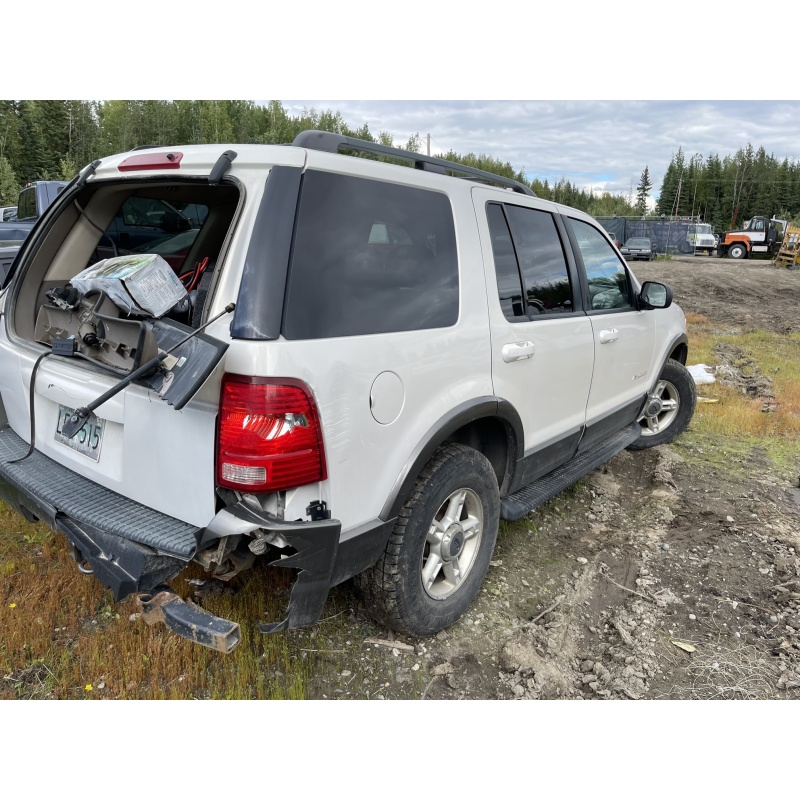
(665, 574)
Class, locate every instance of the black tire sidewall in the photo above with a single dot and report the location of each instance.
(463, 468)
(675, 373)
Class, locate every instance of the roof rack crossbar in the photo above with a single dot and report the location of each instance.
(333, 142)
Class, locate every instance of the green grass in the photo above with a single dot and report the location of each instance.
(731, 431)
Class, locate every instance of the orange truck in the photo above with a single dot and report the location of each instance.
(759, 235)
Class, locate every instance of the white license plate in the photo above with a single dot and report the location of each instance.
(88, 440)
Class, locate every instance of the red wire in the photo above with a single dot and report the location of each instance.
(198, 271)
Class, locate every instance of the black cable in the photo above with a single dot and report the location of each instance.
(86, 217)
(39, 360)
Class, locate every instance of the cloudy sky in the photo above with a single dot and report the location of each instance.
(593, 143)
(581, 64)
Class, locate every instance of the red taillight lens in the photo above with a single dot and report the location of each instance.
(269, 435)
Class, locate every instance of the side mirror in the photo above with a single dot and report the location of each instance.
(655, 295)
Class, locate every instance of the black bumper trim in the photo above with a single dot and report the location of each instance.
(119, 564)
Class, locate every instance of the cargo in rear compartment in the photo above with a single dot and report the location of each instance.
(154, 442)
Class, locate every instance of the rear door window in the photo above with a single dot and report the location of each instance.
(370, 257)
(532, 274)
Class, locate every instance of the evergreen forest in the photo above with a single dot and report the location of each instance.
(54, 139)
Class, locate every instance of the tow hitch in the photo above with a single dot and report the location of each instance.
(188, 620)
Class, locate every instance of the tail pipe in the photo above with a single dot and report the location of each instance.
(188, 620)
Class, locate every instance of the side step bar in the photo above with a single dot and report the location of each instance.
(524, 500)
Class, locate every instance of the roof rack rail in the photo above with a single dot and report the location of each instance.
(146, 147)
(333, 142)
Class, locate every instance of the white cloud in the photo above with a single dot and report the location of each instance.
(599, 144)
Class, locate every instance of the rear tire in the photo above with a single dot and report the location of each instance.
(438, 553)
(670, 407)
(737, 251)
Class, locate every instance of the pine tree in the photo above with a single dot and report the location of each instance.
(642, 191)
(669, 190)
(32, 164)
(9, 188)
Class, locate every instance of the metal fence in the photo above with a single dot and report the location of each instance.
(668, 236)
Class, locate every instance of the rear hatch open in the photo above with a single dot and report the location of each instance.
(152, 443)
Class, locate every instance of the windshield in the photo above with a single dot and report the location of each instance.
(637, 243)
(703, 229)
(169, 245)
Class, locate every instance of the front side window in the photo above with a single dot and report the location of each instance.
(528, 253)
(370, 257)
(609, 286)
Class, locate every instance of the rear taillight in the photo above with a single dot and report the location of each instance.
(269, 435)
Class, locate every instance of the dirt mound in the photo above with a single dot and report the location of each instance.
(735, 368)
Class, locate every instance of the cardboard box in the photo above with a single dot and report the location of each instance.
(137, 284)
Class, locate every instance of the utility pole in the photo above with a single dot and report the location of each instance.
(429, 144)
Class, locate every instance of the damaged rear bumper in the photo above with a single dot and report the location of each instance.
(132, 549)
(129, 547)
(316, 544)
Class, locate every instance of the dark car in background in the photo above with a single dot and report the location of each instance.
(13, 232)
(638, 247)
(8, 252)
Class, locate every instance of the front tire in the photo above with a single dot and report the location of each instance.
(669, 408)
(737, 251)
(438, 553)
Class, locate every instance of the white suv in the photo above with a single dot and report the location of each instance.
(372, 365)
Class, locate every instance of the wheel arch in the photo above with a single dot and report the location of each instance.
(678, 349)
(487, 424)
(742, 241)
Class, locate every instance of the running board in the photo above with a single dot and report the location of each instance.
(524, 500)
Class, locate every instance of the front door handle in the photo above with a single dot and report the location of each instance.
(609, 335)
(517, 351)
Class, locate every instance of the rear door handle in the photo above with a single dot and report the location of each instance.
(517, 351)
(609, 335)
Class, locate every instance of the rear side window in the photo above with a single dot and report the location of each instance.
(370, 257)
(27, 203)
(532, 276)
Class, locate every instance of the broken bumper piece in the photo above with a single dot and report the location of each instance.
(188, 620)
(316, 544)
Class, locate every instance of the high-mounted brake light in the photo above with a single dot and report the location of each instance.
(269, 435)
(151, 161)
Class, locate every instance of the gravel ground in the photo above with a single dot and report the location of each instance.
(660, 575)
